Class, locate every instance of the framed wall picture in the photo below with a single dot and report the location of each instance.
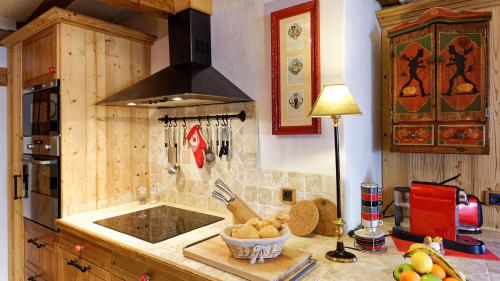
(295, 69)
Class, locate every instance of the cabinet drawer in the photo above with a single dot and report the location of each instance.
(413, 135)
(89, 251)
(131, 270)
(470, 135)
(75, 268)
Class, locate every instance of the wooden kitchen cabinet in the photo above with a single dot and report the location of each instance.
(440, 83)
(92, 59)
(40, 57)
(40, 252)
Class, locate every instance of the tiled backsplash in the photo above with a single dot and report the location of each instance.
(261, 189)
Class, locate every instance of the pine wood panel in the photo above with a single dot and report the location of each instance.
(14, 148)
(479, 172)
(104, 149)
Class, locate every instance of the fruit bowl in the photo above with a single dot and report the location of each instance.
(427, 264)
(254, 249)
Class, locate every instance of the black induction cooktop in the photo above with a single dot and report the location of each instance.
(159, 223)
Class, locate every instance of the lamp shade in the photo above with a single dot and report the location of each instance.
(335, 100)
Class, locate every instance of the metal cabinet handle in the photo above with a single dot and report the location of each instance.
(40, 162)
(34, 242)
(31, 278)
(15, 187)
(77, 265)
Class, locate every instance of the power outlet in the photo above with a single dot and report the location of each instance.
(288, 195)
(492, 198)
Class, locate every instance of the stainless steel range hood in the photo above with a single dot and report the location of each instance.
(190, 80)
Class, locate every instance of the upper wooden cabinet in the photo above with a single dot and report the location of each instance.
(39, 57)
(440, 83)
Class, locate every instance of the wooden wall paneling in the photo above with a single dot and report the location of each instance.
(76, 194)
(479, 172)
(14, 167)
(115, 152)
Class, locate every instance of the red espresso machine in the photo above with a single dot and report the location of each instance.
(432, 209)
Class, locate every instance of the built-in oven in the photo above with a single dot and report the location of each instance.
(41, 110)
(42, 183)
(41, 154)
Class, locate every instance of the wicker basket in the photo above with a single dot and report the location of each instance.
(254, 249)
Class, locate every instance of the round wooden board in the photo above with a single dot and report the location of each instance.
(304, 217)
(327, 216)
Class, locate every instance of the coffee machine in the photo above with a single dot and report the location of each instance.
(433, 209)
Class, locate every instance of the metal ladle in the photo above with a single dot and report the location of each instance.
(209, 154)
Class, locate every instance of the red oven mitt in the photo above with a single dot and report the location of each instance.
(198, 145)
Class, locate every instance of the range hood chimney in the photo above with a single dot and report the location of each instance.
(190, 79)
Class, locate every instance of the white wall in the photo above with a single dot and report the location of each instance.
(361, 135)
(241, 50)
(3, 173)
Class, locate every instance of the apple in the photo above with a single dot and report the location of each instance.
(429, 277)
(422, 262)
(401, 268)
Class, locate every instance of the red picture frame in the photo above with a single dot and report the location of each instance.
(311, 85)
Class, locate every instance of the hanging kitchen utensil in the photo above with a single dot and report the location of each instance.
(184, 132)
(209, 154)
(217, 142)
(229, 153)
(175, 167)
(171, 151)
(164, 160)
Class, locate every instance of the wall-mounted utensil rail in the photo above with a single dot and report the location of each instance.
(219, 117)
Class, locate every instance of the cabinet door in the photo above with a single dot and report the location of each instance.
(413, 76)
(15, 154)
(462, 71)
(39, 57)
(76, 269)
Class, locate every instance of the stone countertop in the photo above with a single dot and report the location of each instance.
(376, 267)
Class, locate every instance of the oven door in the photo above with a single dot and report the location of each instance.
(41, 110)
(41, 189)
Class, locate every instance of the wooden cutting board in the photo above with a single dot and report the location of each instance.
(215, 253)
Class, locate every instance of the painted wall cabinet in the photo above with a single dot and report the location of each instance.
(40, 57)
(440, 83)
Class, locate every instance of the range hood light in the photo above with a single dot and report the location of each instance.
(131, 104)
(176, 98)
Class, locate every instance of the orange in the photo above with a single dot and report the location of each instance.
(409, 276)
(438, 271)
(450, 279)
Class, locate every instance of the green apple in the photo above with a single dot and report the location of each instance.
(422, 262)
(429, 277)
(401, 268)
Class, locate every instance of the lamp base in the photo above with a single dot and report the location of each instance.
(340, 254)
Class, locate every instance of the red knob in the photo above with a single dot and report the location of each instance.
(79, 248)
(146, 277)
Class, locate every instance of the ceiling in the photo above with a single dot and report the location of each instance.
(17, 10)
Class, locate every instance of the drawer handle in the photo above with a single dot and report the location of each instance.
(146, 277)
(31, 278)
(38, 245)
(77, 265)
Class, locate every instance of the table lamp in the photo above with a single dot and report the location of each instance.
(335, 101)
